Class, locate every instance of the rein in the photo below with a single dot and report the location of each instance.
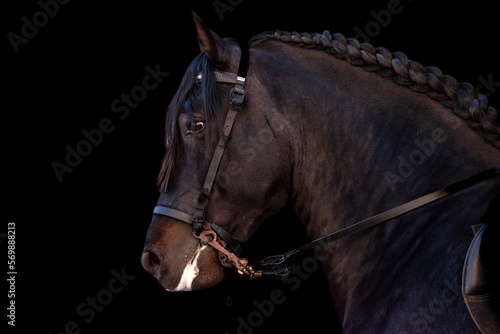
(276, 265)
(273, 266)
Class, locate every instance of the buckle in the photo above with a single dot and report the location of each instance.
(237, 95)
(198, 219)
(197, 222)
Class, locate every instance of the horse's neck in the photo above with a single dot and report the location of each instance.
(363, 144)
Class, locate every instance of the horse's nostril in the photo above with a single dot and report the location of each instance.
(154, 258)
(150, 262)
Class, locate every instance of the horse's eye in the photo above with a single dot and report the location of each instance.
(195, 127)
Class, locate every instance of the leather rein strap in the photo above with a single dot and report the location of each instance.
(273, 266)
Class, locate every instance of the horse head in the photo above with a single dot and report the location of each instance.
(247, 184)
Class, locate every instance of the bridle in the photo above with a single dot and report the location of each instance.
(276, 266)
(207, 232)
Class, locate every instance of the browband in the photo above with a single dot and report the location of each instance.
(226, 77)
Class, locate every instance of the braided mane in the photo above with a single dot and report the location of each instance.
(460, 97)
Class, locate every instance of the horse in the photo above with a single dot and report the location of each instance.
(336, 131)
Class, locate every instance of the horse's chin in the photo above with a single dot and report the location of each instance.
(208, 281)
(202, 272)
(200, 282)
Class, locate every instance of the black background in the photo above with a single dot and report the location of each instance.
(71, 235)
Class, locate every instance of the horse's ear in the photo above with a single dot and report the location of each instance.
(218, 50)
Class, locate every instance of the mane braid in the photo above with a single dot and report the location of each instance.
(460, 97)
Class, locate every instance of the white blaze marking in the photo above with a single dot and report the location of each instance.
(190, 272)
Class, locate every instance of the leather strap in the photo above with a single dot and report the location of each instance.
(227, 238)
(219, 152)
(237, 97)
(179, 215)
(233, 244)
(226, 77)
(275, 265)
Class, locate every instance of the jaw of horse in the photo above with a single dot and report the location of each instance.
(177, 259)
